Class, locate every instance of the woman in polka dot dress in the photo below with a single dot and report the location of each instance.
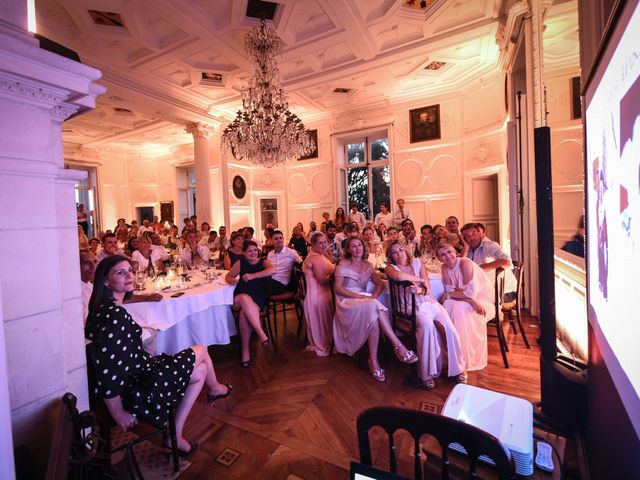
(132, 382)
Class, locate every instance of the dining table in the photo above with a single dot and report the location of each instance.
(198, 312)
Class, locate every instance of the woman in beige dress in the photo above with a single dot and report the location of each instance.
(360, 316)
(318, 304)
(431, 344)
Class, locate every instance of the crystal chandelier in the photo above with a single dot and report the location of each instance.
(265, 132)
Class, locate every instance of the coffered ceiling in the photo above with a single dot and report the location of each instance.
(166, 62)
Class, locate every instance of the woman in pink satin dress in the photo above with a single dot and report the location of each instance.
(318, 304)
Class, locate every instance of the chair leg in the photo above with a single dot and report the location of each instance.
(270, 330)
(524, 335)
(274, 306)
(502, 342)
(173, 439)
(299, 314)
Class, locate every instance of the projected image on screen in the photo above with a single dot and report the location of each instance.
(613, 194)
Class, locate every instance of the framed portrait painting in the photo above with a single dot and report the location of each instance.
(239, 187)
(314, 154)
(424, 124)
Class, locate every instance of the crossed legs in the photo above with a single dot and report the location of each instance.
(249, 321)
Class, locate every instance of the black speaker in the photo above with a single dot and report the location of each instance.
(563, 383)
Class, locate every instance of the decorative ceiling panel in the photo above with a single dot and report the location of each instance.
(211, 59)
(394, 34)
(335, 55)
(154, 30)
(308, 19)
(175, 73)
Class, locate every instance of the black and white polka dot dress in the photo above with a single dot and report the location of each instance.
(150, 387)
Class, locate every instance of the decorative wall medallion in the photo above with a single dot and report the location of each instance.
(481, 154)
(321, 185)
(298, 185)
(409, 175)
(239, 187)
(443, 171)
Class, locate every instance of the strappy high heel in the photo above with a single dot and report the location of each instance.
(408, 357)
(376, 372)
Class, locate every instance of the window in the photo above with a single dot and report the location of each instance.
(368, 177)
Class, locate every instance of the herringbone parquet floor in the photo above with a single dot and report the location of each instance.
(292, 415)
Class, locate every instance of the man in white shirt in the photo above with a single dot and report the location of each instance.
(109, 247)
(409, 238)
(452, 224)
(247, 233)
(283, 258)
(490, 256)
(401, 214)
(192, 253)
(333, 242)
(356, 217)
(88, 265)
(146, 227)
(384, 216)
(222, 242)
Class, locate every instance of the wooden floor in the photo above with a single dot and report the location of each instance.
(292, 415)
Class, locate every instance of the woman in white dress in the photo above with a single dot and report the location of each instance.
(360, 315)
(468, 298)
(430, 342)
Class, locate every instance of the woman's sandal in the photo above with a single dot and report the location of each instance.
(429, 383)
(408, 357)
(211, 399)
(245, 364)
(462, 378)
(266, 343)
(377, 373)
(168, 451)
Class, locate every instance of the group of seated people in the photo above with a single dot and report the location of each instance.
(133, 383)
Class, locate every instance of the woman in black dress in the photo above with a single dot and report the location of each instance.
(234, 252)
(251, 294)
(132, 382)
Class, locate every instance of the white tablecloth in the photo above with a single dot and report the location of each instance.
(202, 316)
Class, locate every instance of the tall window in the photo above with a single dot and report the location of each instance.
(368, 174)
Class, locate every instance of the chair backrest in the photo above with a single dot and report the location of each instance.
(445, 430)
(518, 271)
(300, 280)
(498, 288)
(403, 302)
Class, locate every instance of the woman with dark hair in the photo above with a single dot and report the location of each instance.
(341, 219)
(360, 315)
(132, 246)
(234, 252)
(298, 242)
(132, 382)
(251, 294)
(121, 230)
(430, 341)
(318, 305)
(381, 231)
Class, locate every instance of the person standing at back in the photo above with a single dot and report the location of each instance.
(356, 217)
(401, 214)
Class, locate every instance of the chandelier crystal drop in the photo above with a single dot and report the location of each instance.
(265, 132)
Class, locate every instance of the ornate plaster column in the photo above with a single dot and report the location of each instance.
(39, 276)
(201, 133)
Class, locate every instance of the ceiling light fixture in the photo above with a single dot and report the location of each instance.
(264, 131)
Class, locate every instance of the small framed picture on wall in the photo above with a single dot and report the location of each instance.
(314, 154)
(424, 124)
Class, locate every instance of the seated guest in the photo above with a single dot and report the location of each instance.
(222, 242)
(371, 241)
(350, 230)
(381, 231)
(401, 214)
(468, 299)
(109, 247)
(333, 245)
(121, 230)
(267, 246)
(283, 258)
(186, 227)
(298, 242)
(148, 258)
(326, 218)
(356, 217)
(427, 246)
(318, 304)
(235, 252)
(156, 225)
(248, 233)
(409, 237)
(173, 239)
(392, 235)
(205, 228)
(489, 256)
(452, 225)
(192, 253)
(360, 316)
(429, 340)
(156, 244)
(131, 381)
(83, 240)
(575, 246)
(250, 295)
(94, 246)
(132, 246)
(146, 227)
(384, 217)
(88, 265)
(209, 240)
(312, 228)
(340, 219)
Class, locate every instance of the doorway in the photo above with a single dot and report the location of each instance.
(484, 203)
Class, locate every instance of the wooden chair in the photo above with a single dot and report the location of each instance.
(291, 299)
(97, 405)
(497, 319)
(515, 306)
(445, 430)
(403, 315)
